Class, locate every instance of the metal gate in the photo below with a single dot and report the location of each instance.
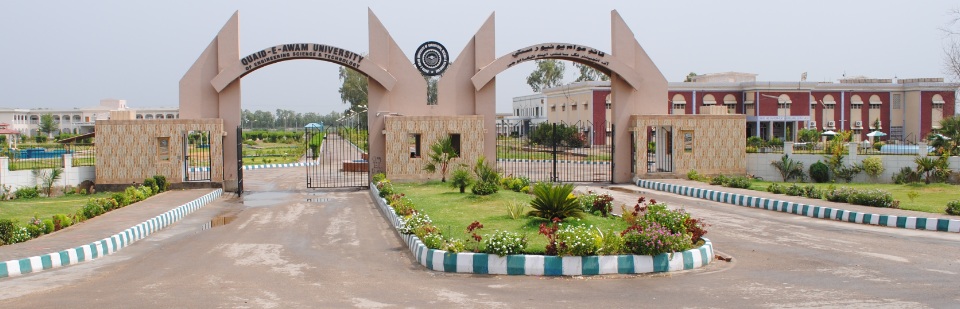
(336, 157)
(557, 152)
(659, 149)
(196, 156)
(239, 160)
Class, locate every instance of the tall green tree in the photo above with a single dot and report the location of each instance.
(431, 89)
(951, 50)
(589, 74)
(353, 90)
(690, 77)
(549, 73)
(47, 125)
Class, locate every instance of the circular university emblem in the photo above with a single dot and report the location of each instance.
(431, 58)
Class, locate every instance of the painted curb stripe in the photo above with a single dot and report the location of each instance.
(104, 246)
(929, 224)
(482, 263)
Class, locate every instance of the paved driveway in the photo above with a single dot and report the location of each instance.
(288, 246)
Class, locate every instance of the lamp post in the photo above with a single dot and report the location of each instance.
(778, 114)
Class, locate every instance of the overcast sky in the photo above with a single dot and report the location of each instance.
(65, 54)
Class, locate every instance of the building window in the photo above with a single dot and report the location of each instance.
(538, 111)
(455, 141)
(897, 99)
(163, 148)
(553, 108)
(609, 105)
(413, 142)
(874, 106)
(856, 106)
(518, 112)
(678, 106)
(563, 108)
(574, 107)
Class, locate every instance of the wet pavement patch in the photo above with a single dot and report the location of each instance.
(220, 220)
(261, 199)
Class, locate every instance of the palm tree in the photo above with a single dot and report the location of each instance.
(789, 168)
(441, 153)
(554, 201)
(926, 166)
(946, 138)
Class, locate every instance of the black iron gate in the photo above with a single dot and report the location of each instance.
(557, 152)
(336, 157)
(196, 156)
(239, 160)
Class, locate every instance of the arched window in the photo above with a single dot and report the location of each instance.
(709, 100)
(169, 116)
(158, 116)
(679, 103)
(856, 102)
(139, 116)
(148, 116)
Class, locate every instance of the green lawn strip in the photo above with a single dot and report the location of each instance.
(24, 209)
(932, 198)
(272, 153)
(452, 212)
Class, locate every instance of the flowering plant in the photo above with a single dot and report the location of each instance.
(503, 243)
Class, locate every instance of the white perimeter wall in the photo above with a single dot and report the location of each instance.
(72, 176)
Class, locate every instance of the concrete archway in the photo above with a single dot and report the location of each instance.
(211, 87)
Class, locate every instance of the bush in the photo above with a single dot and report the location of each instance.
(655, 239)
(61, 221)
(820, 172)
(385, 187)
(611, 243)
(811, 191)
(92, 209)
(411, 223)
(152, 184)
(503, 243)
(738, 182)
(693, 175)
(7, 229)
(488, 178)
(27, 192)
(794, 190)
(953, 208)
(461, 179)
(878, 145)
(162, 183)
(719, 180)
(484, 188)
(378, 177)
(906, 175)
(48, 226)
(578, 240)
(776, 188)
(873, 166)
(122, 199)
(554, 201)
(755, 142)
(875, 198)
(839, 195)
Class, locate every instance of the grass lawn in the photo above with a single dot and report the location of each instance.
(452, 212)
(272, 153)
(44, 208)
(932, 198)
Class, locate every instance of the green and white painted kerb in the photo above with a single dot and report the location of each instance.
(104, 246)
(551, 161)
(915, 223)
(262, 166)
(543, 265)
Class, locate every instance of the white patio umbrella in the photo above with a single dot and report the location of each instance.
(876, 134)
(828, 133)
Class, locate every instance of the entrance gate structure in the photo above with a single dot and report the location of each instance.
(557, 152)
(197, 156)
(211, 88)
(336, 157)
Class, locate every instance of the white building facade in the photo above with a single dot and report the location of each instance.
(77, 120)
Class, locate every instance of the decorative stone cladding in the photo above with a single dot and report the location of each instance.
(127, 150)
(400, 165)
(719, 144)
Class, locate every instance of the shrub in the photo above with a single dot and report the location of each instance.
(655, 239)
(789, 168)
(515, 209)
(20, 234)
(378, 177)
(878, 145)
(906, 175)
(152, 184)
(953, 207)
(794, 190)
(820, 172)
(411, 223)
(48, 226)
(693, 175)
(27, 192)
(92, 209)
(846, 172)
(61, 221)
(873, 166)
(839, 195)
(719, 180)
(122, 199)
(503, 243)
(811, 191)
(611, 243)
(35, 227)
(738, 182)
(554, 201)
(577, 240)
(755, 142)
(7, 229)
(751, 149)
(875, 198)
(461, 179)
(385, 187)
(402, 206)
(776, 188)
(488, 178)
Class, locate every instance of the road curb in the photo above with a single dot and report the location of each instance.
(106, 246)
(551, 161)
(541, 265)
(813, 211)
(260, 166)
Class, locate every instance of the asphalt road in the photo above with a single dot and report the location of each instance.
(288, 246)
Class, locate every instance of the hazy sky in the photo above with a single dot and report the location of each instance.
(64, 54)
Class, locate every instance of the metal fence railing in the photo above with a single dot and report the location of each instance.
(44, 156)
